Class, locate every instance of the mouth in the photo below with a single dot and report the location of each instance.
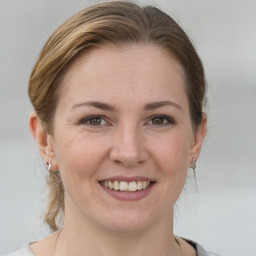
(125, 186)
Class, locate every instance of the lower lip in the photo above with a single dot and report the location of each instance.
(129, 196)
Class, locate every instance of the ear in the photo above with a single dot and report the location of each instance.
(198, 139)
(43, 140)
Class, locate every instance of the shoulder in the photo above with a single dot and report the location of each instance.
(202, 252)
(41, 248)
(24, 251)
(199, 249)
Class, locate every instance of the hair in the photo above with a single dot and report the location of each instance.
(118, 23)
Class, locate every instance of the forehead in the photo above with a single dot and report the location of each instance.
(142, 71)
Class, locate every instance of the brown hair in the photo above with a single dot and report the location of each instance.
(118, 23)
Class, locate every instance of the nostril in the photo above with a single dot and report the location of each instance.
(117, 162)
(128, 152)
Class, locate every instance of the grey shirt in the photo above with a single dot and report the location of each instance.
(200, 251)
(25, 251)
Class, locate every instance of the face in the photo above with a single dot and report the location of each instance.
(123, 138)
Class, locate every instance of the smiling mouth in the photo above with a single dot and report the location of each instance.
(125, 186)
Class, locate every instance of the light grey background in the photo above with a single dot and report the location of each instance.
(221, 212)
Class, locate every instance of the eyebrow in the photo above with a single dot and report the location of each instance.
(155, 105)
(96, 104)
(107, 107)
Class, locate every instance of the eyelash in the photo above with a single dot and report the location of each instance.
(166, 119)
(91, 118)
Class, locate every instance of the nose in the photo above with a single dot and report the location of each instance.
(128, 147)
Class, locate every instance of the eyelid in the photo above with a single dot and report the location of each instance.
(84, 120)
(88, 118)
(170, 120)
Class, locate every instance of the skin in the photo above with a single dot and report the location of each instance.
(126, 140)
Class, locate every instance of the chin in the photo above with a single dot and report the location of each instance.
(128, 222)
(125, 227)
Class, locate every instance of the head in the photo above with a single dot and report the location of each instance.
(118, 25)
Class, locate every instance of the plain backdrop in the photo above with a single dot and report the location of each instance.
(220, 213)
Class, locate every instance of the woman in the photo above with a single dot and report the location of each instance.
(118, 92)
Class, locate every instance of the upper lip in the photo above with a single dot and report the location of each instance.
(127, 179)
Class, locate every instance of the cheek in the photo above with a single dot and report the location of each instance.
(79, 157)
(174, 151)
(172, 156)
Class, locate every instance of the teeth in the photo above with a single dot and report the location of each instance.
(116, 185)
(132, 186)
(126, 186)
(110, 185)
(139, 185)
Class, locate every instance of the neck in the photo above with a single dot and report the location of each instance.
(82, 239)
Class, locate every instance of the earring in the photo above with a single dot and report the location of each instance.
(193, 165)
(49, 164)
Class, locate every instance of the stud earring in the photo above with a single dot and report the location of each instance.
(193, 165)
(49, 164)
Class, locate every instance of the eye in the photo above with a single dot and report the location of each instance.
(161, 120)
(94, 121)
